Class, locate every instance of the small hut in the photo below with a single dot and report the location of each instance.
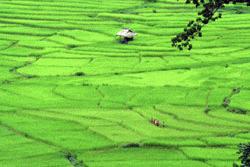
(126, 35)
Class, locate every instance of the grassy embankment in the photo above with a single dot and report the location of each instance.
(51, 117)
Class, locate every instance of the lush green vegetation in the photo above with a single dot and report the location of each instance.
(208, 14)
(71, 95)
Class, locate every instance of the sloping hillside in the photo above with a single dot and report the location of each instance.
(72, 95)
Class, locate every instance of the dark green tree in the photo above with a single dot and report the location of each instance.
(244, 151)
(210, 12)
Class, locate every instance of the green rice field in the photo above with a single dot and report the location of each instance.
(72, 96)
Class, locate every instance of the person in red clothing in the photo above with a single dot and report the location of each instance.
(157, 122)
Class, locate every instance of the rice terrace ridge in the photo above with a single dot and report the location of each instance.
(111, 83)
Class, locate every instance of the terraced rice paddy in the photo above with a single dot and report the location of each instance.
(71, 95)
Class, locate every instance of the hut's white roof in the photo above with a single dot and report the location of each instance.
(126, 33)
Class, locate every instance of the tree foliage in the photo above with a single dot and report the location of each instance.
(244, 151)
(210, 12)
